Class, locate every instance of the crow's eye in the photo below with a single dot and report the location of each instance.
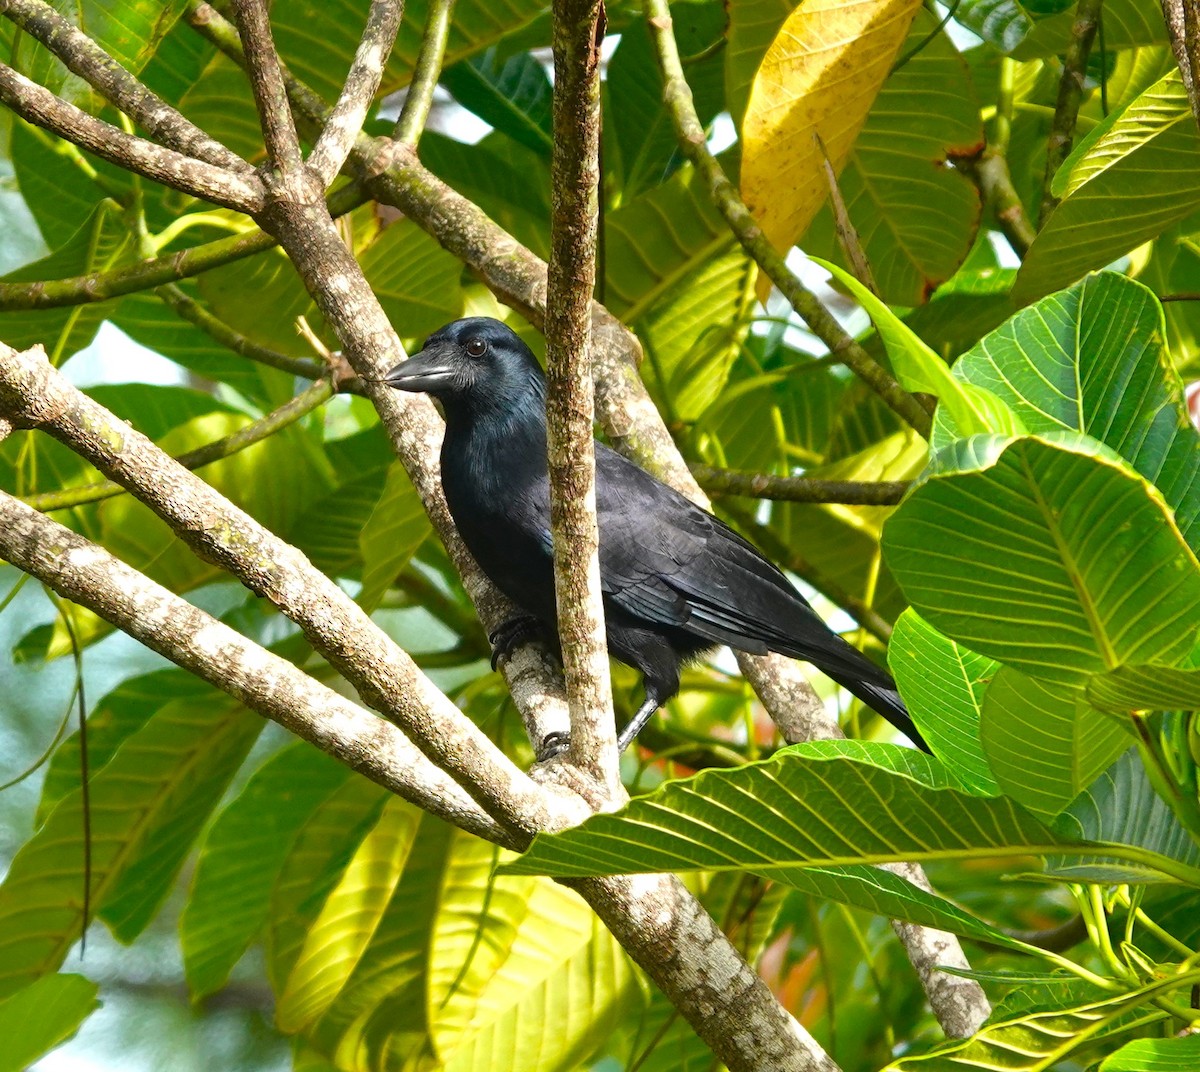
(476, 347)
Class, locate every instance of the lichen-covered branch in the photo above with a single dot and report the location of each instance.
(1183, 28)
(578, 29)
(39, 106)
(85, 58)
(33, 394)
(1070, 95)
(266, 83)
(87, 574)
(346, 120)
(255, 432)
(693, 143)
(799, 488)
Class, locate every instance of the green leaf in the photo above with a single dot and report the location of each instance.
(512, 95)
(1128, 182)
(242, 856)
(1121, 807)
(1023, 561)
(916, 216)
(972, 409)
(148, 804)
(1155, 1055)
(417, 282)
(1005, 23)
(1043, 740)
(1092, 359)
(943, 685)
(811, 806)
(396, 528)
(1039, 1041)
(348, 918)
(1146, 688)
(43, 1015)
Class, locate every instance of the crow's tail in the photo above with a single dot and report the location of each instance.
(886, 701)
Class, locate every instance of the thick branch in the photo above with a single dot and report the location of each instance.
(34, 394)
(266, 82)
(419, 98)
(88, 575)
(1070, 94)
(799, 488)
(358, 91)
(693, 144)
(575, 174)
(255, 432)
(39, 106)
(1183, 28)
(104, 74)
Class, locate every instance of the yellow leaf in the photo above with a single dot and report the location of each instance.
(820, 76)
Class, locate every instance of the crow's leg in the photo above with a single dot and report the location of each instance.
(511, 634)
(649, 705)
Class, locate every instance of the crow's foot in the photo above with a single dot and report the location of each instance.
(510, 635)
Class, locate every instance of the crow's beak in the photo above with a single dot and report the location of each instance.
(428, 370)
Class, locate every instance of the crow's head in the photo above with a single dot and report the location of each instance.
(473, 366)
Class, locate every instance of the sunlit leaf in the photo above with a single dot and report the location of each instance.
(43, 1015)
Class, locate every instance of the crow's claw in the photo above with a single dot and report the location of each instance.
(510, 635)
(553, 744)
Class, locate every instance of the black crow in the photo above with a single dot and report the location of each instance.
(677, 581)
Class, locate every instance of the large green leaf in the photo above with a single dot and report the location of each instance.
(1039, 1041)
(43, 1015)
(813, 806)
(943, 685)
(1044, 742)
(915, 214)
(1005, 23)
(353, 909)
(1092, 359)
(397, 526)
(1146, 688)
(1122, 806)
(1023, 561)
(513, 95)
(1127, 183)
(1155, 1055)
(147, 806)
(242, 856)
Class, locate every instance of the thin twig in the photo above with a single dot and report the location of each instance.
(693, 144)
(194, 313)
(85, 58)
(1070, 95)
(578, 29)
(799, 488)
(419, 99)
(255, 432)
(358, 91)
(266, 82)
(39, 106)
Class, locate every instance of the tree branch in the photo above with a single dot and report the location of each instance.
(104, 74)
(358, 91)
(266, 83)
(1070, 94)
(799, 488)
(39, 106)
(1183, 29)
(578, 28)
(290, 412)
(693, 145)
(88, 575)
(419, 98)
(34, 394)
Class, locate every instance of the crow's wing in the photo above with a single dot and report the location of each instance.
(665, 560)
